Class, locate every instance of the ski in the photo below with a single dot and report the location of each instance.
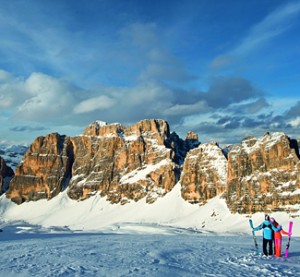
(289, 239)
(254, 237)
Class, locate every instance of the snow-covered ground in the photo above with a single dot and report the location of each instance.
(96, 213)
(145, 250)
(170, 237)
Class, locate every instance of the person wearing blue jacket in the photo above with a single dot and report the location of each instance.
(268, 235)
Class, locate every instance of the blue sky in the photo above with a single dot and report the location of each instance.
(223, 69)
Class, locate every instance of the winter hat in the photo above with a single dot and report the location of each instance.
(267, 217)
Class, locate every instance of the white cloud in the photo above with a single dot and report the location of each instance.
(12, 92)
(5, 101)
(263, 32)
(221, 61)
(5, 76)
(295, 122)
(150, 93)
(49, 98)
(101, 102)
(196, 108)
(273, 25)
(127, 105)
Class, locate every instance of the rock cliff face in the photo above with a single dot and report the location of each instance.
(145, 160)
(204, 173)
(44, 171)
(6, 174)
(263, 174)
(122, 163)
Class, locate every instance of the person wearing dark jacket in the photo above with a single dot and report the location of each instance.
(268, 233)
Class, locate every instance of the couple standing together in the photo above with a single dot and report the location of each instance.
(272, 231)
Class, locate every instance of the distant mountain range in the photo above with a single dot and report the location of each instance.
(12, 154)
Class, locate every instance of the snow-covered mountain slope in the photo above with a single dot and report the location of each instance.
(96, 213)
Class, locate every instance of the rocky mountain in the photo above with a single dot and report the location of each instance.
(264, 174)
(44, 171)
(204, 173)
(145, 160)
(6, 174)
(122, 163)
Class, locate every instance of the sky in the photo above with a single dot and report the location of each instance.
(223, 69)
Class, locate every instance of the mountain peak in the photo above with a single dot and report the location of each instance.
(145, 160)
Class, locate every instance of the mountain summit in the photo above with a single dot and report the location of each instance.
(145, 160)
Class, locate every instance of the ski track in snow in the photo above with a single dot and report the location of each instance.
(166, 252)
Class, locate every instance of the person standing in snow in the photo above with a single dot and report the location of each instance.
(277, 237)
(268, 229)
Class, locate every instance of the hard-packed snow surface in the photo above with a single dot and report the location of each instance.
(145, 250)
(171, 237)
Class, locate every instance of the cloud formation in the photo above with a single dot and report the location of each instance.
(61, 69)
(25, 128)
(228, 104)
(101, 102)
(294, 111)
(273, 25)
(47, 99)
(52, 102)
(226, 91)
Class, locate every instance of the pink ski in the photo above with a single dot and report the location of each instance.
(289, 239)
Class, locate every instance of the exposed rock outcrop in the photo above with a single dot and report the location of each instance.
(44, 171)
(263, 174)
(204, 173)
(123, 163)
(6, 174)
(145, 160)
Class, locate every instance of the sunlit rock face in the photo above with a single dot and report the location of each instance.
(204, 173)
(263, 174)
(123, 163)
(44, 171)
(145, 161)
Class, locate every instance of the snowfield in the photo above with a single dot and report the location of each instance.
(63, 237)
(136, 250)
